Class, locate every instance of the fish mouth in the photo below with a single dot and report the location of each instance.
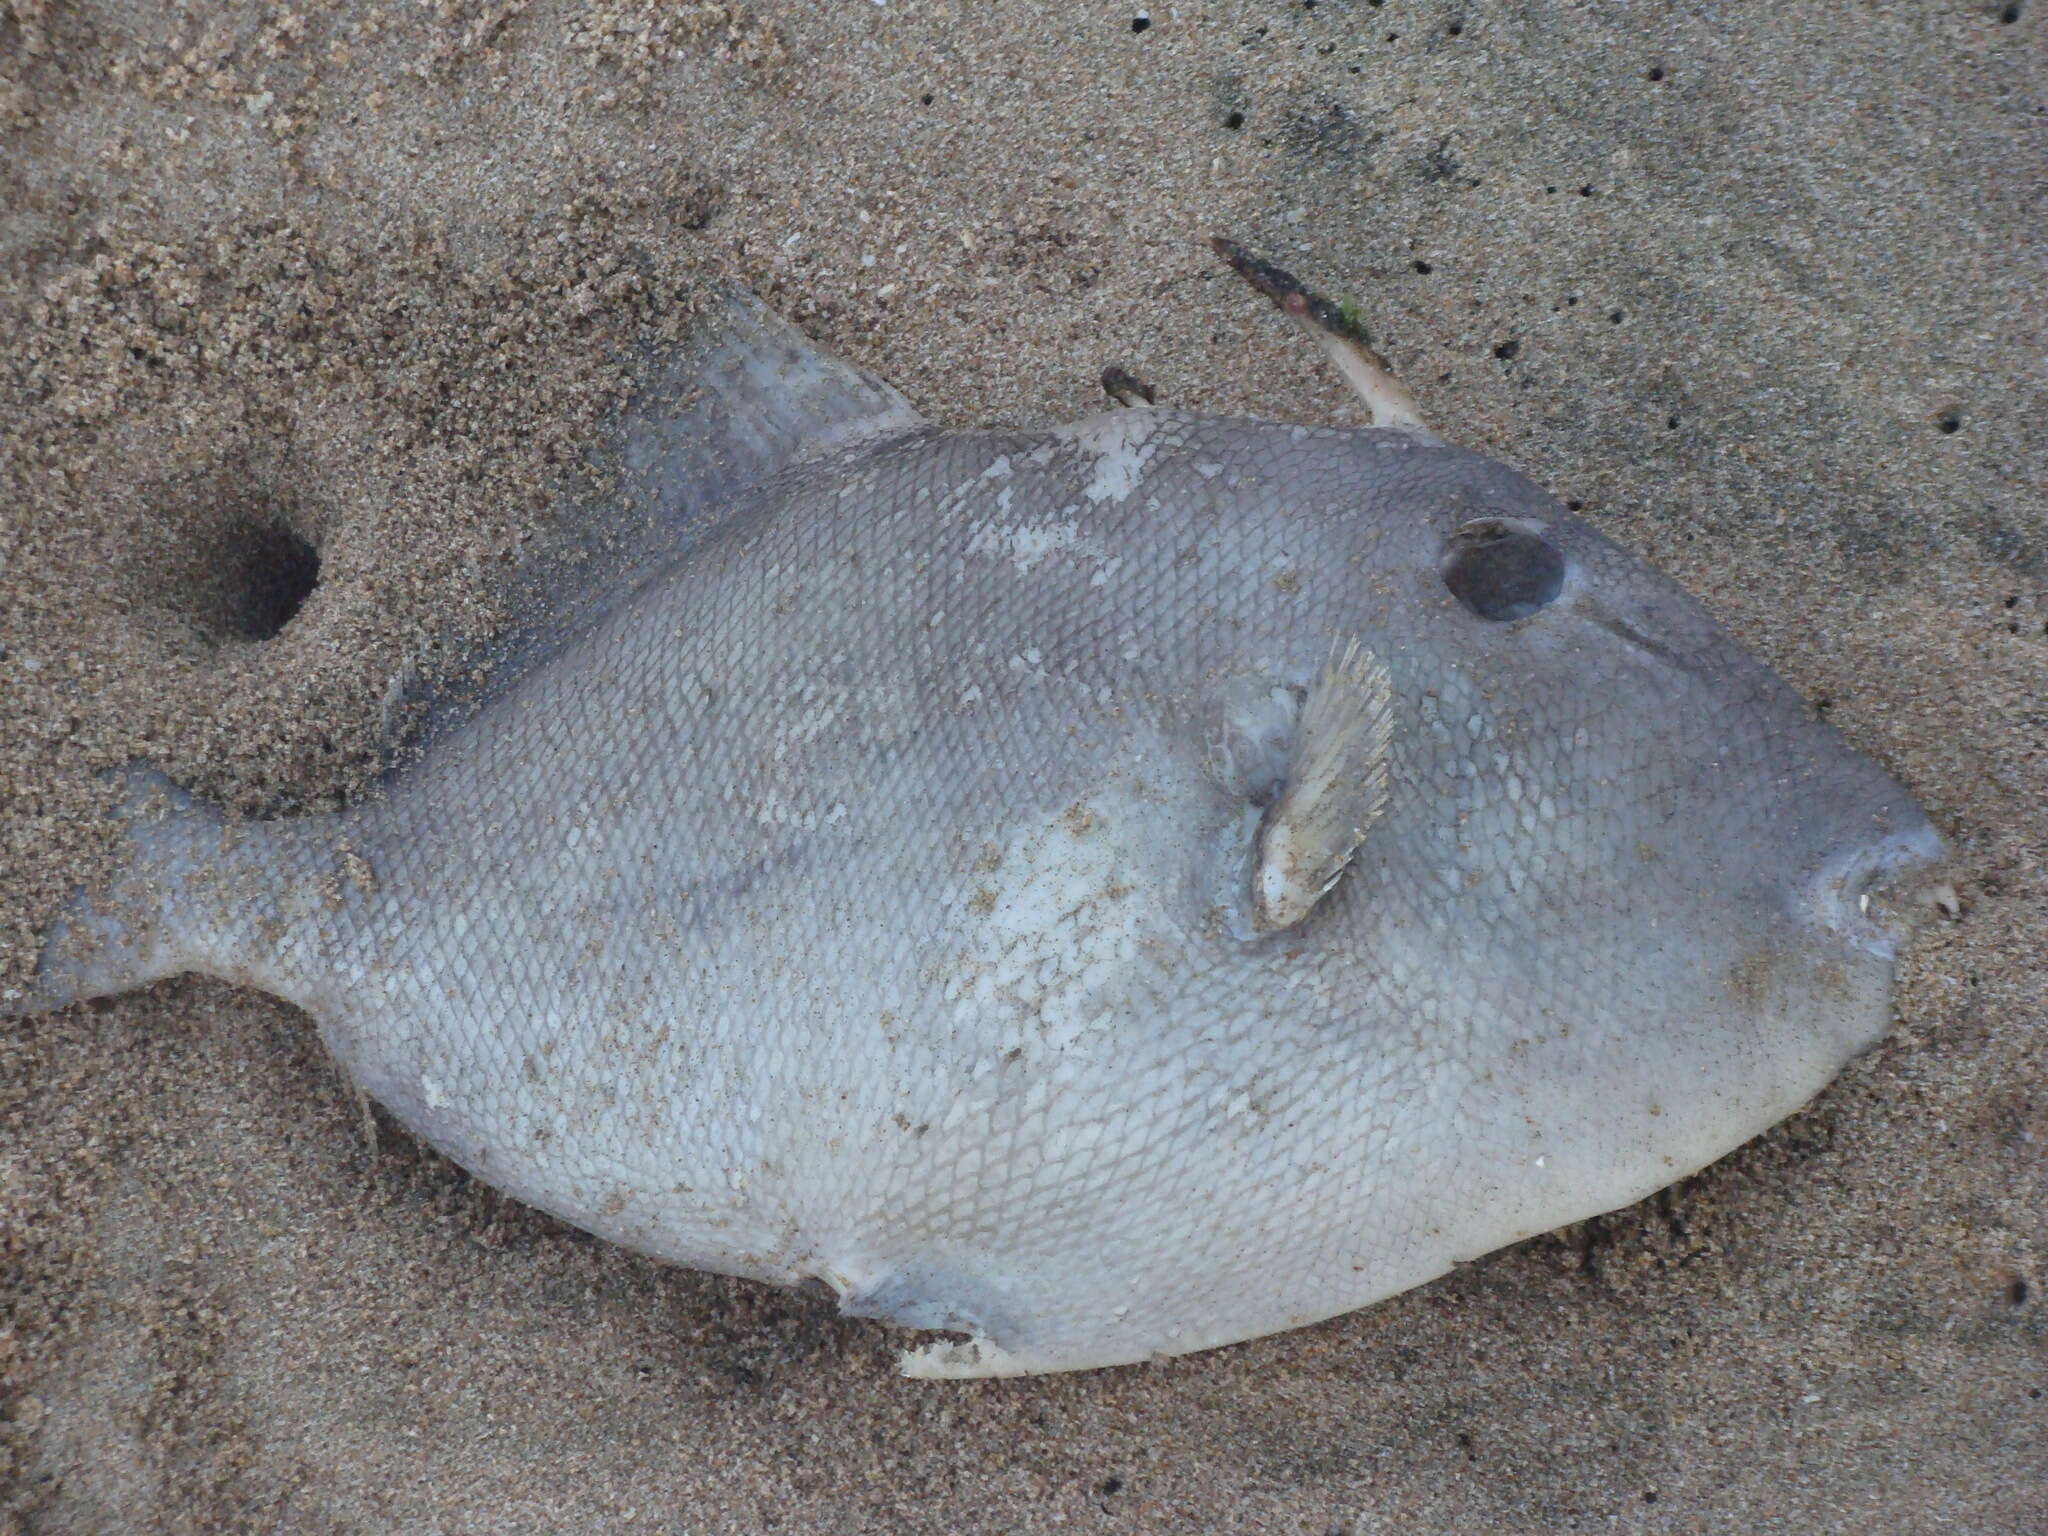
(1875, 895)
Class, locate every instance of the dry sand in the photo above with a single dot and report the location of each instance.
(1762, 286)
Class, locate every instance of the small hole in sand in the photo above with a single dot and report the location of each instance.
(2016, 1293)
(228, 552)
(273, 572)
(1501, 571)
(1234, 120)
(1949, 421)
(2009, 15)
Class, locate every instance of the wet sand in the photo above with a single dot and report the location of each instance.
(1764, 294)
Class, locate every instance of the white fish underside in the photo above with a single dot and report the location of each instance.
(870, 896)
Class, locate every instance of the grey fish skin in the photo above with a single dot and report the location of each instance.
(866, 896)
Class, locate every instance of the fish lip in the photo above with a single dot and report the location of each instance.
(1877, 894)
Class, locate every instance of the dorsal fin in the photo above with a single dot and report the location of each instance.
(752, 394)
(1340, 334)
(745, 397)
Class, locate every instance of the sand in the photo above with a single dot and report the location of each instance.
(1759, 287)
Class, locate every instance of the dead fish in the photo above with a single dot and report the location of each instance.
(1093, 894)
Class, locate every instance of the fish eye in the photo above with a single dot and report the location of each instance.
(1501, 570)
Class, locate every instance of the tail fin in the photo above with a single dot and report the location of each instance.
(141, 926)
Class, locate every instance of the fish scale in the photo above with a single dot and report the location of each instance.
(848, 871)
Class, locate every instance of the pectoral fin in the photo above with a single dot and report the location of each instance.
(1336, 788)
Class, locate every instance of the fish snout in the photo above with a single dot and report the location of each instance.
(1876, 893)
